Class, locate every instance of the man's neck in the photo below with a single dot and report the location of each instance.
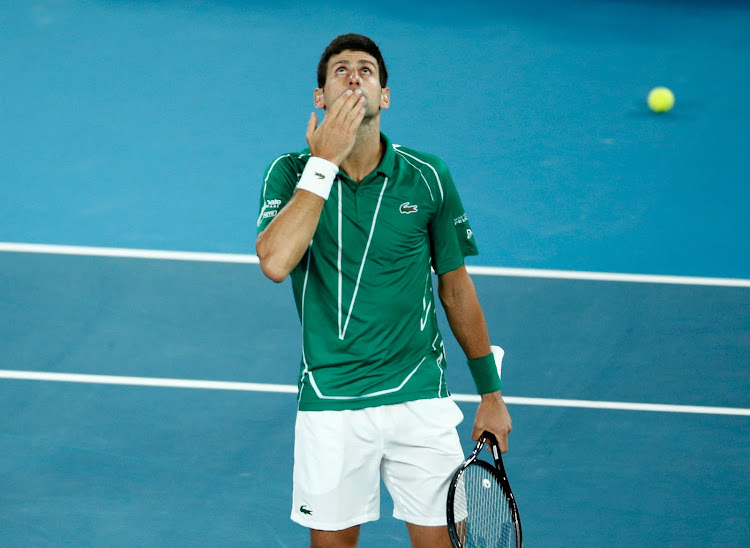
(366, 154)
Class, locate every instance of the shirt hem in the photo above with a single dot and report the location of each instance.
(333, 405)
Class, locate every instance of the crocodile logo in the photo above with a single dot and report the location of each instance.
(305, 510)
(407, 208)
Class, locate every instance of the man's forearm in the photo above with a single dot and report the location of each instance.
(281, 246)
(465, 316)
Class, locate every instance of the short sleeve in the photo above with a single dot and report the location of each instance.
(451, 237)
(279, 183)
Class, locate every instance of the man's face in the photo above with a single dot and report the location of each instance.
(353, 70)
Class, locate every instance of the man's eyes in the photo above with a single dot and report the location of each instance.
(363, 70)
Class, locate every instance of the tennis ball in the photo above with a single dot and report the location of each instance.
(660, 99)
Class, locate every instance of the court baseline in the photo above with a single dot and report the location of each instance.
(473, 269)
(291, 389)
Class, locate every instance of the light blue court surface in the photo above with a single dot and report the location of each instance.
(148, 125)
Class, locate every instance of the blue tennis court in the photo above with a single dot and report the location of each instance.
(146, 394)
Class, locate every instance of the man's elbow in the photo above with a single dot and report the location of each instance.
(269, 262)
(272, 269)
(277, 276)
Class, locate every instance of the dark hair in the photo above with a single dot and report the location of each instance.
(352, 42)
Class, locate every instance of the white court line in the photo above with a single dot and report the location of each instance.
(128, 253)
(146, 381)
(607, 276)
(478, 270)
(617, 405)
(291, 389)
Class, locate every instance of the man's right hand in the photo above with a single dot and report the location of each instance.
(334, 139)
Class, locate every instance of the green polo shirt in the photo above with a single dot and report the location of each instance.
(364, 289)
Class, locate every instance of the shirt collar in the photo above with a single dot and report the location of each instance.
(388, 162)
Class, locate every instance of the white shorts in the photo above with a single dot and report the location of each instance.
(341, 456)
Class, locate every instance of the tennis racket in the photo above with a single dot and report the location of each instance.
(482, 511)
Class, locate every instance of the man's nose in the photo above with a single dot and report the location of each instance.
(354, 79)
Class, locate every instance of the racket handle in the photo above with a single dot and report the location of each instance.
(490, 437)
(492, 440)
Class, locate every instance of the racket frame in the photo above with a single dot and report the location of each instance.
(498, 472)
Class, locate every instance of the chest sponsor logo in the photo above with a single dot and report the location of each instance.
(407, 208)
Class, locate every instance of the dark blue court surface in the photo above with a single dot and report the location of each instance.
(92, 465)
(149, 124)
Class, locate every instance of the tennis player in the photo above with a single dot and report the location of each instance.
(359, 222)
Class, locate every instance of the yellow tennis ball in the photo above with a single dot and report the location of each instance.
(660, 99)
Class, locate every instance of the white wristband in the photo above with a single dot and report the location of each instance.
(498, 353)
(318, 176)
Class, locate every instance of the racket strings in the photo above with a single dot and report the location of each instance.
(482, 515)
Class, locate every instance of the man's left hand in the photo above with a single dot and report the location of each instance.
(492, 416)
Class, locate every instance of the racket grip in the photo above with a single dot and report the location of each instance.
(492, 441)
(490, 437)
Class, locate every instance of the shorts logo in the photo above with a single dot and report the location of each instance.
(407, 208)
(305, 510)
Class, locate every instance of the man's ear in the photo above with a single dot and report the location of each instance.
(318, 98)
(385, 98)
